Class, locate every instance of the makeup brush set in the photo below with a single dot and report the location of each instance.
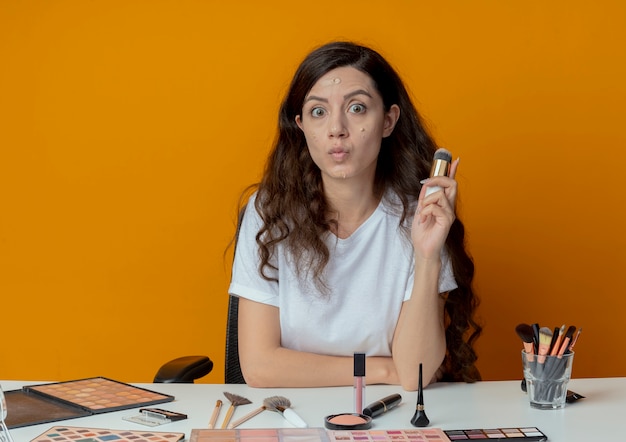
(278, 404)
(547, 359)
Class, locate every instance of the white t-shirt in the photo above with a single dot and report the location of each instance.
(370, 275)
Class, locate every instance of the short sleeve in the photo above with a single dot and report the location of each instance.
(246, 281)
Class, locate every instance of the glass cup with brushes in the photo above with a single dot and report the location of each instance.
(548, 368)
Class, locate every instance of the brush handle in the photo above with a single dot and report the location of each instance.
(245, 418)
(215, 415)
(293, 418)
(229, 415)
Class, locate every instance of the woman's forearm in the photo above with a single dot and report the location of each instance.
(290, 368)
(265, 363)
(420, 333)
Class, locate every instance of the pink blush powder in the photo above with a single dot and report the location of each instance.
(347, 419)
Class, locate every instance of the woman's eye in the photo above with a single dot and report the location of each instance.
(357, 108)
(317, 112)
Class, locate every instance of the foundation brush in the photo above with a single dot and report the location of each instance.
(282, 405)
(235, 401)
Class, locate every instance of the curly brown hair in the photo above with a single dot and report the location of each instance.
(294, 210)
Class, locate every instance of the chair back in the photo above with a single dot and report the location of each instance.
(232, 372)
(232, 369)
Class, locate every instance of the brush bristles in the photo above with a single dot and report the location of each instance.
(525, 332)
(442, 154)
(276, 403)
(545, 336)
(545, 339)
(235, 399)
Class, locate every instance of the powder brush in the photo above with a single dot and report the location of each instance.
(282, 405)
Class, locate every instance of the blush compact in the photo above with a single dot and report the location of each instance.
(348, 421)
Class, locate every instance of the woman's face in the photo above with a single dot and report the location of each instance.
(344, 120)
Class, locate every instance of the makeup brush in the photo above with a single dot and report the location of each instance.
(216, 413)
(575, 338)
(441, 167)
(247, 417)
(565, 345)
(419, 418)
(555, 334)
(557, 363)
(525, 332)
(556, 345)
(545, 338)
(535, 328)
(282, 405)
(235, 401)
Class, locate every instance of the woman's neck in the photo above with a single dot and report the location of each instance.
(350, 206)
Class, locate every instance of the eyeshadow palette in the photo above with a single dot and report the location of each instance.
(80, 434)
(525, 434)
(413, 435)
(99, 395)
(43, 403)
(317, 435)
(260, 435)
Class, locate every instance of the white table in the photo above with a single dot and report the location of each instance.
(449, 406)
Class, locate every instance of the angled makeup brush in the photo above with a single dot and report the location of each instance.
(235, 401)
(419, 418)
(282, 405)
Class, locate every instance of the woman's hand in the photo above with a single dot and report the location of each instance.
(434, 215)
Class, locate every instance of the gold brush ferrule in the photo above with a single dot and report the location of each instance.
(440, 168)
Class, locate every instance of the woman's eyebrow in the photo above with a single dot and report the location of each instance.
(315, 98)
(357, 92)
(345, 97)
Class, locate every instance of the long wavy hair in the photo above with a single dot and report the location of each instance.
(294, 210)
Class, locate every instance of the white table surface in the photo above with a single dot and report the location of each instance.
(449, 406)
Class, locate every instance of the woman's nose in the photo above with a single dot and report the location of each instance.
(337, 127)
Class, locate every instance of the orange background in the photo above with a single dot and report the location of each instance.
(128, 129)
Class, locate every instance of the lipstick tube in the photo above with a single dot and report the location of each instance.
(383, 405)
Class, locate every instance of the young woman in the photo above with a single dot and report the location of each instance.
(340, 250)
